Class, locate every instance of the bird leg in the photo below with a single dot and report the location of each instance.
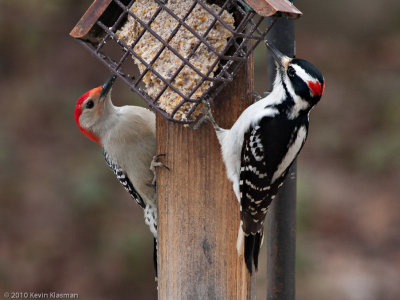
(154, 164)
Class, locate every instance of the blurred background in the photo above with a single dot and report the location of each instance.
(66, 225)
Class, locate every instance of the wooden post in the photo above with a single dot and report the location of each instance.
(198, 215)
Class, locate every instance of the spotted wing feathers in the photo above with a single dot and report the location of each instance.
(124, 180)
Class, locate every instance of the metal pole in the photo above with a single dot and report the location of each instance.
(281, 224)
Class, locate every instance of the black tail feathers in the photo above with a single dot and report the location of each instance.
(155, 257)
(252, 245)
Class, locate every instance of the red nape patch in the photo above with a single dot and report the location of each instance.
(316, 88)
(78, 111)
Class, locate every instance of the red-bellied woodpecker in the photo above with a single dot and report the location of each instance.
(263, 143)
(127, 136)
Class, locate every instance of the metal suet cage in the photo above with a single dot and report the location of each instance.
(176, 53)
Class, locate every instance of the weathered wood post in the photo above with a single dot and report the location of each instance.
(198, 215)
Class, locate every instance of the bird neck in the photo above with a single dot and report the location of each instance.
(292, 105)
(90, 134)
(107, 119)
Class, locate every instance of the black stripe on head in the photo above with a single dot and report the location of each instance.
(309, 68)
(289, 102)
(300, 87)
(282, 76)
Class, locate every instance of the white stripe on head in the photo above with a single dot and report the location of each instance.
(303, 74)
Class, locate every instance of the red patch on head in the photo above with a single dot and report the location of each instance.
(78, 112)
(316, 88)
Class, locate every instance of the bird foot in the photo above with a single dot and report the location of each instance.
(258, 97)
(154, 164)
(207, 116)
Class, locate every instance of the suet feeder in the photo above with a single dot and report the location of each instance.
(176, 53)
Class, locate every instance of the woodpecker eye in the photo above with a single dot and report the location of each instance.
(291, 72)
(90, 104)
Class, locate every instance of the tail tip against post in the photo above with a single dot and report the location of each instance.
(240, 241)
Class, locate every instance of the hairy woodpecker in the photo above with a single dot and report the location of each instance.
(127, 136)
(263, 143)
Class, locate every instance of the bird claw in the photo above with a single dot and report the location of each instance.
(258, 97)
(207, 116)
(154, 164)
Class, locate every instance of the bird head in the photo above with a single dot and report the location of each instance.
(90, 107)
(300, 77)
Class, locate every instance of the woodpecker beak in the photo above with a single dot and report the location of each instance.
(106, 88)
(281, 59)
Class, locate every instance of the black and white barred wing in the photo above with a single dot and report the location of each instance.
(264, 148)
(124, 180)
(254, 184)
(261, 153)
(254, 189)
